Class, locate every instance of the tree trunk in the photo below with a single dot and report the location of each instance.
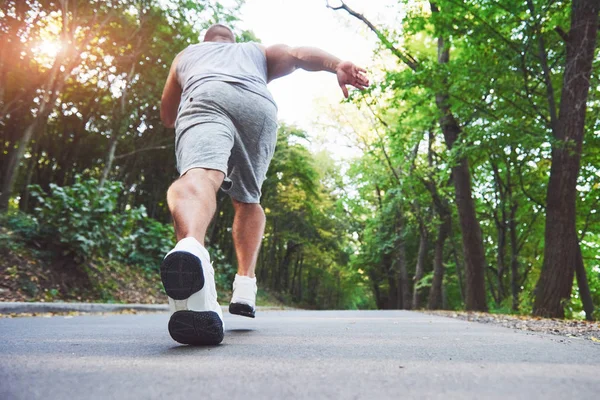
(13, 163)
(473, 251)
(121, 121)
(420, 267)
(295, 274)
(300, 278)
(514, 260)
(273, 249)
(394, 300)
(561, 242)
(500, 268)
(110, 158)
(491, 286)
(459, 266)
(584, 288)
(471, 230)
(291, 248)
(378, 298)
(24, 202)
(501, 226)
(404, 296)
(474, 254)
(435, 292)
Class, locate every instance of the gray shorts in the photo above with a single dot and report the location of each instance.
(224, 127)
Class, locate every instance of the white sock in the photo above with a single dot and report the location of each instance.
(244, 278)
(244, 290)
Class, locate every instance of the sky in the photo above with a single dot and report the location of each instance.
(302, 96)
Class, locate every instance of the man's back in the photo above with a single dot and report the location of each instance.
(242, 64)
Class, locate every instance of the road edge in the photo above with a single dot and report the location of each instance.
(22, 307)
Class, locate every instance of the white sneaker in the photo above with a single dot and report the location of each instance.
(189, 280)
(243, 300)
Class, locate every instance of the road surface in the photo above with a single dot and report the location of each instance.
(292, 354)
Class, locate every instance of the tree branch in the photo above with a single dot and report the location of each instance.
(564, 35)
(523, 239)
(522, 186)
(546, 70)
(510, 44)
(407, 59)
(588, 218)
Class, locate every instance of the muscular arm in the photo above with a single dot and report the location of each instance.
(171, 97)
(282, 60)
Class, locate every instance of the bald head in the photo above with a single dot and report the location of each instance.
(219, 33)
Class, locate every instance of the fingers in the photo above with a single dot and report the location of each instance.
(359, 86)
(362, 80)
(344, 90)
(357, 73)
(354, 76)
(354, 83)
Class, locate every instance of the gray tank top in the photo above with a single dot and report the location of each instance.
(242, 64)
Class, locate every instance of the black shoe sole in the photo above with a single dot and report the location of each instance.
(181, 275)
(196, 327)
(241, 309)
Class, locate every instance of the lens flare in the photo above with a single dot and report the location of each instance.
(48, 49)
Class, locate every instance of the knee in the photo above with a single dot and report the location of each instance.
(179, 189)
(248, 208)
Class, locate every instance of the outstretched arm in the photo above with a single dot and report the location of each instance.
(171, 97)
(282, 60)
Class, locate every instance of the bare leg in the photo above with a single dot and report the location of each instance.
(248, 229)
(186, 272)
(192, 202)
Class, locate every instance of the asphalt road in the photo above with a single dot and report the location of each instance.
(292, 354)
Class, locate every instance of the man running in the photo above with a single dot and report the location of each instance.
(225, 123)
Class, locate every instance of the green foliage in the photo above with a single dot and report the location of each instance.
(335, 231)
(81, 217)
(307, 242)
(224, 269)
(424, 282)
(496, 91)
(85, 221)
(24, 225)
(148, 243)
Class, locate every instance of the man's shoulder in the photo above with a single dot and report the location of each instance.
(256, 45)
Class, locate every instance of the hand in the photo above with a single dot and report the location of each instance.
(350, 74)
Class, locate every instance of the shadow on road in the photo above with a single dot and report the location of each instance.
(186, 349)
(238, 331)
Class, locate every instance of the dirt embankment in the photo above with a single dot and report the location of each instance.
(36, 274)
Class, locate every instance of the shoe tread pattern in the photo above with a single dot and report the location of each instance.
(241, 309)
(181, 275)
(199, 328)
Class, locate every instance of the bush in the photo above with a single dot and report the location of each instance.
(16, 229)
(24, 225)
(224, 271)
(148, 244)
(86, 222)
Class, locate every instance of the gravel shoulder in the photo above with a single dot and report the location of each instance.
(567, 328)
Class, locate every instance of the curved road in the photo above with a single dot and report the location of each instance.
(292, 354)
